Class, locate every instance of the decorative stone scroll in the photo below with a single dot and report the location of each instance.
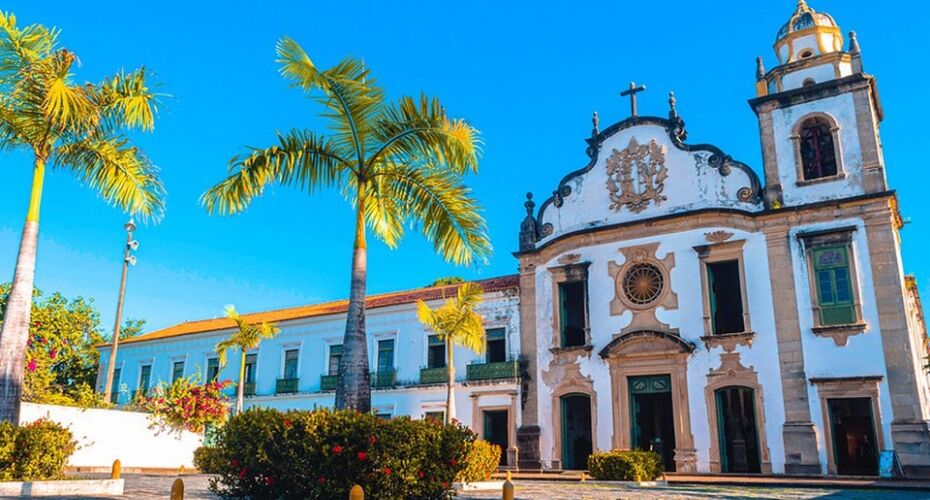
(636, 176)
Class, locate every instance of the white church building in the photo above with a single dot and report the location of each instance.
(667, 299)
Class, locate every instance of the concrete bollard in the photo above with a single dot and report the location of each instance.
(116, 469)
(177, 489)
(583, 477)
(508, 488)
(356, 493)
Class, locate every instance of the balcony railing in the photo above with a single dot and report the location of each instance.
(387, 378)
(286, 385)
(491, 371)
(329, 382)
(248, 389)
(434, 375)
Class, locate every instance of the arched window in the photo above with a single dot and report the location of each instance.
(818, 150)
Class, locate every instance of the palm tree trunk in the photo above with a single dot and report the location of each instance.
(15, 333)
(450, 384)
(354, 389)
(240, 391)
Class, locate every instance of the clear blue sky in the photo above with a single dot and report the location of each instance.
(528, 76)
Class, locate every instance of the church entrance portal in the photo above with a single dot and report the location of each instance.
(495, 431)
(736, 429)
(576, 431)
(853, 432)
(653, 424)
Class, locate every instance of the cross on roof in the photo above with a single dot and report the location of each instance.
(632, 91)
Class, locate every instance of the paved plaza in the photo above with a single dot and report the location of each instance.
(145, 487)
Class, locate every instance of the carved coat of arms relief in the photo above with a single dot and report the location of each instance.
(636, 175)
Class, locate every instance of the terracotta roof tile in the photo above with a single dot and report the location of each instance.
(322, 309)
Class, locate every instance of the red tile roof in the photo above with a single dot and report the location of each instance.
(322, 309)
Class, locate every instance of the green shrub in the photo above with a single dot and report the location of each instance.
(209, 460)
(265, 453)
(626, 466)
(482, 460)
(35, 451)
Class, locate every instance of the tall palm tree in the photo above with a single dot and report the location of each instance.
(456, 323)
(79, 127)
(398, 164)
(247, 337)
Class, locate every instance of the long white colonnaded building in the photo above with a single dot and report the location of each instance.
(667, 299)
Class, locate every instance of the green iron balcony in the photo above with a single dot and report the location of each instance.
(434, 375)
(329, 382)
(286, 385)
(383, 379)
(492, 371)
(248, 389)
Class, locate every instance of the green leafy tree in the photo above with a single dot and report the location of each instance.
(399, 164)
(247, 336)
(456, 322)
(61, 355)
(74, 126)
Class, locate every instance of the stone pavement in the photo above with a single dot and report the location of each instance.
(150, 487)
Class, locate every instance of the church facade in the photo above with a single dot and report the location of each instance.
(668, 298)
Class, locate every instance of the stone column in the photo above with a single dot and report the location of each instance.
(909, 430)
(873, 167)
(528, 433)
(798, 434)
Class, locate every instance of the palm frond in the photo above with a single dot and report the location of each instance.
(118, 170)
(350, 94)
(421, 129)
(437, 200)
(301, 158)
(68, 107)
(457, 320)
(20, 47)
(126, 101)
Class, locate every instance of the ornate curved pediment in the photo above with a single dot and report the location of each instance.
(646, 343)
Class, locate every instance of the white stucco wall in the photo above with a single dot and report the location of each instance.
(106, 435)
(843, 112)
(691, 184)
(685, 281)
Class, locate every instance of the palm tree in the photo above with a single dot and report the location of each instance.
(79, 127)
(247, 337)
(398, 164)
(456, 323)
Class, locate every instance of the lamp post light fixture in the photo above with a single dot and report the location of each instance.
(128, 260)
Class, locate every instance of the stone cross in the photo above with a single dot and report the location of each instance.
(632, 91)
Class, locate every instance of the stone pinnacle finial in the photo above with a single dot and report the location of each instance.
(595, 121)
(760, 68)
(672, 112)
(529, 204)
(802, 5)
(853, 43)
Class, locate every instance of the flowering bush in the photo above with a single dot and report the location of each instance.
(35, 451)
(265, 453)
(481, 461)
(185, 404)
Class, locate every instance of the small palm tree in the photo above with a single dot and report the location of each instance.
(74, 126)
(456, 323)
(247, 337)
(398, 164)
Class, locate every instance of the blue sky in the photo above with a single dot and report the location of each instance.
(527, 75)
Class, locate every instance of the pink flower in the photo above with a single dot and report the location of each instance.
(387, 471)
(52, 353)
(362, 455)
(321, 480)
(372, 440)
(421, 474)
(338, 449)
(32, 366)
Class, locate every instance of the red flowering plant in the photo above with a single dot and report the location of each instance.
(321, 454)
(188, 405)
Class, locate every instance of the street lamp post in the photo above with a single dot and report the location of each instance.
(128, 260)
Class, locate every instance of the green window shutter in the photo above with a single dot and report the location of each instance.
(834, 286)
(562, 314)
(712, 298)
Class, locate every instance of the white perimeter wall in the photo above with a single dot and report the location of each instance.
(105, 435)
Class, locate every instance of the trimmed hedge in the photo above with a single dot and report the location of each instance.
(35, 451)
(264, 453)
(626, 465)
(482, 460)
(208, 460)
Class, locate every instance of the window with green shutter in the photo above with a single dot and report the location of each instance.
(834, 285)
(436, 352)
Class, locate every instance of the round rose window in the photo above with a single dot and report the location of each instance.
(643, 284)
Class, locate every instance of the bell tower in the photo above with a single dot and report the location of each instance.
(818, 114)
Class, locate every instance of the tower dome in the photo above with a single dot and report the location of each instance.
(807, 33)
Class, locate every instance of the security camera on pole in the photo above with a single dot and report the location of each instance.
(128, 260)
